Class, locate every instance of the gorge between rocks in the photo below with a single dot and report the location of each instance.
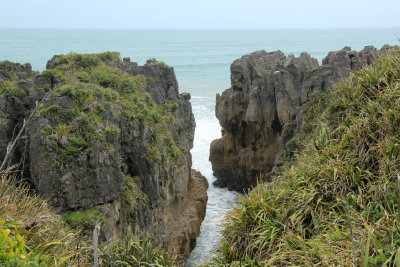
(201, 62)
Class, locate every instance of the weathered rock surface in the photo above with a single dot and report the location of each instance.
(175, 195)
(267, 94)
(12, 108)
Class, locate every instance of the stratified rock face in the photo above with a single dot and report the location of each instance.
(267, 93)
(12, 106)
(88, 148)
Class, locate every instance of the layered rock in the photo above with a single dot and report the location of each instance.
(89, 148)
(267, 93)
(13, 103)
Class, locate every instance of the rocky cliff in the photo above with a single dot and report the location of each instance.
(112, 140)
(263, 109)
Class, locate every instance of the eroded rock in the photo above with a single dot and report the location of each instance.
(267, 92)
(169, 199)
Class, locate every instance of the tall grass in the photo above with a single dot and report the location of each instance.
(31, 234)
(135, 252)
(47, 240)
(338, 203)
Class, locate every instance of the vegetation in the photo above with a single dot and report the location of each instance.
(83, 220)
(8, 88)
(155, 61)
(134, 198)
(101, 94)
(83, 113)
(338, 203)
(30, 232)
(135, 252)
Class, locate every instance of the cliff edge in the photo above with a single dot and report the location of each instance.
(113, 140)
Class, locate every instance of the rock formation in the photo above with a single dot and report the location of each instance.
(114, 137)
(266, 95)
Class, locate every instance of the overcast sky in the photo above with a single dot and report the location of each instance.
(203, 14)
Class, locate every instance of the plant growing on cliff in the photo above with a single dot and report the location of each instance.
(84, 113)
(83, 220)
(338, 204)
(8, 88)
(134, 198)
(99, 93)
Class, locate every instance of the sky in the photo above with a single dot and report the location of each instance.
(199, 14)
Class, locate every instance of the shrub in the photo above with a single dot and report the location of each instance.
(82, 76)
(134, 198)
(7, 66)
(50, 111)
(84, 220)
(8, 88)
(49, 74)
(109, 56)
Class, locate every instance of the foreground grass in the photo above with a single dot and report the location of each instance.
(337, 204)
(31, 234)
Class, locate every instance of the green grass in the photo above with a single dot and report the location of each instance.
(96, 88)
(8, 88)
(134, 198)
(341, 191)
(135, 252)
(83, 220)
(31, 234)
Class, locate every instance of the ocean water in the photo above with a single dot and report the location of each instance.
(201, 59)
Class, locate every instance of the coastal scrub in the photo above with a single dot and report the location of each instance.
(337, 204)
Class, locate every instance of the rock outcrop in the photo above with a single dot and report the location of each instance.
(114, 137)
(14, 100)
(267, 94)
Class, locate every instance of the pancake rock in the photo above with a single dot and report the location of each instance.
(113, 137)
(267, 93)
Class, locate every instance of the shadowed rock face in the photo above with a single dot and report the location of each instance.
(12, 107)
(267, 92)
(96, 178)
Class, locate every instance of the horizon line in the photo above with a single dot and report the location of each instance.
(202, 29)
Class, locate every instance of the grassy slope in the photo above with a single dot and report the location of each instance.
(337, 203)
(46, 239)
(31, 234)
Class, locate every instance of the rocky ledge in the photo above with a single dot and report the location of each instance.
(111, 143)
(263, 109)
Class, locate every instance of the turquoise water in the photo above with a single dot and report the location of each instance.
(201, 59)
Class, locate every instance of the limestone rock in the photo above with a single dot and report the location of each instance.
(97, 178)
(267, 92)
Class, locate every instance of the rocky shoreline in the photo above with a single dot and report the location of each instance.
(263, 109)
(112, 137)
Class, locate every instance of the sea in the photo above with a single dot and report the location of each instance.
(201, 60)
